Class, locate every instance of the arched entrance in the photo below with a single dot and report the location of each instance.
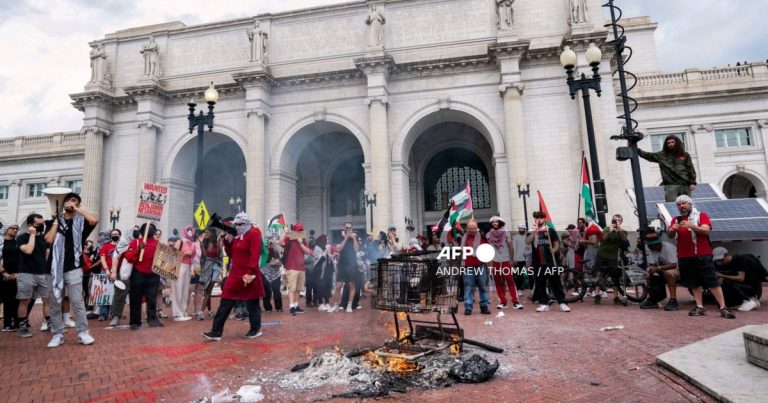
(222, 178)
(739, 187)
(321, 179)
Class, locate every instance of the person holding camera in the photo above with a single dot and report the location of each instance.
(348, 277)
(295, 247)
(608, 257)
(392, 242)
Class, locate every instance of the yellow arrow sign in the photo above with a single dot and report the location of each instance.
(201, 216)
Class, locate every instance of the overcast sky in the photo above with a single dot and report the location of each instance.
(45, 43)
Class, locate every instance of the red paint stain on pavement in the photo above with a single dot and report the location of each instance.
(147, 397)
(213, 361)
(179, 378)
(177, 351)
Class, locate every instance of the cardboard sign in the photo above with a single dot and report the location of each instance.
(152, 201)
(167, 262)
(102, 290)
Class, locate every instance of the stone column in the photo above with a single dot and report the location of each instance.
(256, 162)
(145, 168)
(503, 193)
(92, 169)
(762, 125)
(14, 193)
(516, 148)
(381, 161)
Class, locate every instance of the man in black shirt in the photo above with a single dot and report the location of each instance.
(9, 266)
(32, 280)
(71, 230)
(741, 277)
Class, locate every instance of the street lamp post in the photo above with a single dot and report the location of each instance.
(114, 216)
(370, 201)
(200, 121)
(584, 84)
(524, 194)
(409, 225)
(235, 202)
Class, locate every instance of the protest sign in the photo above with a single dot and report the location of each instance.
(102, 290)
(167, 262)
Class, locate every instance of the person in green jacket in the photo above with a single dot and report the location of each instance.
(677, 173)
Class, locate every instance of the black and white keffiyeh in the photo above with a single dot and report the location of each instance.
(58, 250)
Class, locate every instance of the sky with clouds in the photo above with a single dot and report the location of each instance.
(45, 42)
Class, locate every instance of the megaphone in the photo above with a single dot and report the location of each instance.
(216, 222)
(55, 197)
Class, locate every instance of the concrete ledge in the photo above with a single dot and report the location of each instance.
(756, 344)
(718, 366)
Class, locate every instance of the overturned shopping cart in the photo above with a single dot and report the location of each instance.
(419, 283)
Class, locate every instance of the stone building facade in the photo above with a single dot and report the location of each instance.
(322, 108)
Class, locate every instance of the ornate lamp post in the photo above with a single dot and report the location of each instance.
(524, 194)
(409, 225)
(114, 216)
(200, 121)
(584, 84)
(235, 202)
(370, 201)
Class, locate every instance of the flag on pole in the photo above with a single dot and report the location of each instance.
(543, 209)
(277, 223)
(461, 206)
(586, 192)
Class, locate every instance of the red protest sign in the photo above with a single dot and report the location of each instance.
(152, 201)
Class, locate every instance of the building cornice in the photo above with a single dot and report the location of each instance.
(92, 98)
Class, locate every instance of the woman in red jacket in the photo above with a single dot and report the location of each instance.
(244, 280)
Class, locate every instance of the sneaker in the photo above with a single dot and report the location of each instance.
(102, 318)
(517, 305)
(359, 307)
(299, 310)
(501, 306)
(293, 311)
(45, 326)
(757, 301)
(543, 308)
(332, 308)
(726, 313)
(697, 311)
(252, 334)
(322, 307)
(57, 340)
(467, 312)
(239, 316)
(155, 323)
(564, 308)
(70, 323)
(24, 332)
(671, 305)
(211, 336)
(211, 314)
(135, 327)
(162, 315)
(748, 305)
(10, 329)
(349, 308)
(484, 310)
(114, 322)
(85, 338)
(200, 316)
(647, 304)
(90, 316)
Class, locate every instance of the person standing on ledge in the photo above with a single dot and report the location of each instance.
(677, 173)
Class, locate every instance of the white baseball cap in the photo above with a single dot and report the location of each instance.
(719, 253)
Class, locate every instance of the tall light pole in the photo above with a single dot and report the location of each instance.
(370, 201)
(200, 121)
(584, 84)
(524, 194)
(114, 216)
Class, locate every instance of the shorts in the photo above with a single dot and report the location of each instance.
(295, 280)
(610, 268)
(671, 275)
(349, 274)
(698, 271)
(33, 286)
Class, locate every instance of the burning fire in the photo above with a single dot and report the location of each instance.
(397, 365)
(309, 352)
(392, 328)
(402, 316)
(455, 347)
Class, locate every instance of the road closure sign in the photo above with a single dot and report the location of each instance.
(152, 201)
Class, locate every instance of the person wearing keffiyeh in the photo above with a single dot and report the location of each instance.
(501, 270)
(72, 228)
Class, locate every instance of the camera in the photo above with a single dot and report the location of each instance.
(613, 222)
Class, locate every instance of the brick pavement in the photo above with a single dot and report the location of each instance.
(549, 356)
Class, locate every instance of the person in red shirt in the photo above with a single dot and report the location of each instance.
(476, 274)
(244, 280)
(144, 282)
(694, 255)
(295, 277)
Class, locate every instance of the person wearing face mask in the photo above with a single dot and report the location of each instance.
(33, 280)
(694, 255)
(121, 269)
(544, 244)
(190, 251)
(244, 280)
(144, 282)
(9, 267)
(105, 257)
(522, 252)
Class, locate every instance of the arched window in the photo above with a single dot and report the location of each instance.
(739, 187)
(446, 175)
(347, 187)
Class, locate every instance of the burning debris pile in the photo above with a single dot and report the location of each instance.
(367, 374)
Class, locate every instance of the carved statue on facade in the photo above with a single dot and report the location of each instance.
(504, 14)
(98, 56)
(578, 10)
(151, 58)
(258, 39)
(375, 24)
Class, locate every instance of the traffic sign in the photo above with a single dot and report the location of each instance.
(201, 216)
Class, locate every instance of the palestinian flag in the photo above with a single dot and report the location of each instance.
(264, 256)
(461, 207)
(586, 192)
(543, 209)
(276, 223)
